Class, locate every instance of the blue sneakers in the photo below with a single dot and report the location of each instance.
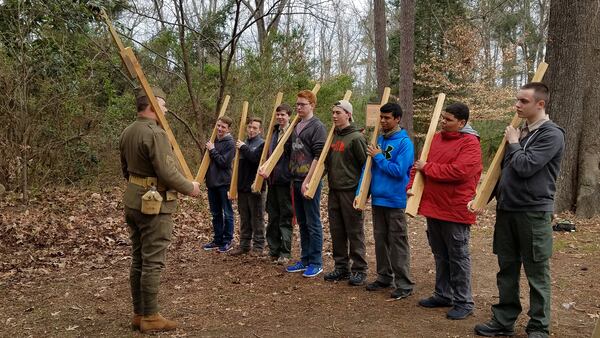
(312, 271)
(226, 247)
(297, 267)
(210, 246)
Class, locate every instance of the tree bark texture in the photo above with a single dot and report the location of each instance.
(407, 62)
(381, 57)
(573, 49)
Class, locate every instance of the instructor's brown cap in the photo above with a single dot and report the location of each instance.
(156, 90)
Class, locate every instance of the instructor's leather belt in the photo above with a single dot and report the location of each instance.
(146, 182)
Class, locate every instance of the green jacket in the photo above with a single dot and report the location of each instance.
(346, 158)
(146, 152)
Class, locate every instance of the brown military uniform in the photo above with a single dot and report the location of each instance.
(147, 159)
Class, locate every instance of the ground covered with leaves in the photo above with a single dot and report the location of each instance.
(64, 273)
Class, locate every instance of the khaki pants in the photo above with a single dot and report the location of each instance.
(150, 236)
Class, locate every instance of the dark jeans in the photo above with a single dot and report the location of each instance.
(449, 243)
(279, 230)
(251, 207)
(523, 238)
(222, 215)
(150, 236)
(392, 252)
(347, 231)
(311, 230)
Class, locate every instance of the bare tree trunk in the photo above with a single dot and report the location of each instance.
(407, 62)
(381, 56)
(573, 38)
(186, 65)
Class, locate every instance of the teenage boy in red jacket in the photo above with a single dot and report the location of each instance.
(451, 174)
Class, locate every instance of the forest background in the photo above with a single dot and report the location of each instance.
(65, 97)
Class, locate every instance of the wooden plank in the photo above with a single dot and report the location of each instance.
(233, 190)
(269, 165)
(360, 202)
(258, 180)
(412, 203)
(320, 168)
(485, 189)
(206, 157)
(118, 42)
(159, 113)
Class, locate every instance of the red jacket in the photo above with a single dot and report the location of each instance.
(451, 175)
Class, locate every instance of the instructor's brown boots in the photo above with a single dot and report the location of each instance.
(156, 322)
(135, 322)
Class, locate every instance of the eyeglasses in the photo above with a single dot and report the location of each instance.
(300, 104)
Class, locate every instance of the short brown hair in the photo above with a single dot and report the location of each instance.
(284, 107)
(226, 119)
(141, 103)
(310, 96)
(540, 91)
(254, 119)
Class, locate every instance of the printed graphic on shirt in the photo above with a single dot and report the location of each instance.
(338, 146)
(387, 152)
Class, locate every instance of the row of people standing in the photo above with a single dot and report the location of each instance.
(522, 235)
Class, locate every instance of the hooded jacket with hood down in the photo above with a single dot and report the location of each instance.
(451, 175)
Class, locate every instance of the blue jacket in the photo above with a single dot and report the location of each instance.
(391, 170)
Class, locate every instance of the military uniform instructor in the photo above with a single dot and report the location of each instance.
(151, 168)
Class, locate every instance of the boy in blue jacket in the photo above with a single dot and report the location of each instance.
(392, 159)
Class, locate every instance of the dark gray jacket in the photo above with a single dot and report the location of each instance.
(306, 147)
(530, 169)
(221, 158)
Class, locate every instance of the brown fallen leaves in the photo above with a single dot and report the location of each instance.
(66, 226)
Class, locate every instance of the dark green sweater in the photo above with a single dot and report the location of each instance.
(346, 158)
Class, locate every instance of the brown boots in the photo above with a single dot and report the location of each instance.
(152, 323)
(135, 322)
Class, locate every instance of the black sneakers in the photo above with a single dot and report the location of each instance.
(434, 301)
(458, 313)
(336, 275)
(493, 328)
(358, 278)
(400, 293)
(377, 285)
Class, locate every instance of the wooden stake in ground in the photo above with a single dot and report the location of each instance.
(270, 164)
(484, 192)
(135, 70)
(233, 191)
(258, 180)
(206, 158)
(320, 168)
(412, 203)
(360, 202)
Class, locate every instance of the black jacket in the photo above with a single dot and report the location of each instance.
(530, 169)
(249, 158)
(281, 174)
(221, 157)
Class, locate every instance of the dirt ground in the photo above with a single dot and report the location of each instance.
(64, 273)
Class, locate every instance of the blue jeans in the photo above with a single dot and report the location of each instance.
(311, 230)
(222, 215)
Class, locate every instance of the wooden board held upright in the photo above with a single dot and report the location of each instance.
(206, 157)
(485, 189)
(320, 168)
(270, 164)
(233, 190)
(412, 203)
(258, 180)
(159, 113)
(360, 202)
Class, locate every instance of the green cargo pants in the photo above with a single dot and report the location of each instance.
(523, 238)
(150, 236)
